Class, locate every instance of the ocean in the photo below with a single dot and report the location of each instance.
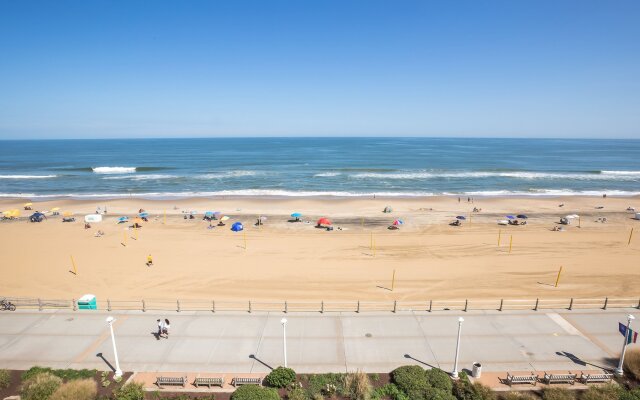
(170, 168)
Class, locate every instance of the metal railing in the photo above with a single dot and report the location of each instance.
(355, 306)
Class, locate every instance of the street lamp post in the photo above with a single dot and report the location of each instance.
(455, 364)
(283, 321)
(619, 371)
(110, 321)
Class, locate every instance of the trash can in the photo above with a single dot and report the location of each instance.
(477, 370)
(87, 302)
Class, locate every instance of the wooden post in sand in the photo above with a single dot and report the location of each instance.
(393, 280)
(558, 278)
(630, 235)
(124, 241)
(510, 243)
(136, 234)
(73, 263)
(499, 235)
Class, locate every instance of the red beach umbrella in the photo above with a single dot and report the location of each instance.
(324, 221)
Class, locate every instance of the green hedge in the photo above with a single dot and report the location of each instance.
(250, 392)
(281, 377)
(65, 374)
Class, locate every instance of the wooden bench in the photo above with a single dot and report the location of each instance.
(208, 382)
(559, 378)
(586, 378)
(237, 381)
(515, 379)
(171, 380)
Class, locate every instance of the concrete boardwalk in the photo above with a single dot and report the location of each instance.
(373, 342)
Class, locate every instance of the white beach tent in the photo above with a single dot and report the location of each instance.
(93, 218)
(638, 216)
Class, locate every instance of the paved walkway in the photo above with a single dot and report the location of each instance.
(233, 343)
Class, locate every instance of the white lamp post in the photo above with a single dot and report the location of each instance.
(110, 321)
(455, 364)
(283, 321)
(619, 371)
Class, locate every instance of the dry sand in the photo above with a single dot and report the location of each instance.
(295, 261)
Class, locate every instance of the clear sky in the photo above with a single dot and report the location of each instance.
(94, 69)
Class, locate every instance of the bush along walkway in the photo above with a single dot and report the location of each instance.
(410, 382)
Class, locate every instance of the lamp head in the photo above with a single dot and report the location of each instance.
(110, 319)
(460, 319)
(283, 321)
(630, 317)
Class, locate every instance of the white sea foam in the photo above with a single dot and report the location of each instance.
(604, 175)
(140, 177)
(27, 176)
(286, 193)
(227, 174)
(326, 174)
(114, 170)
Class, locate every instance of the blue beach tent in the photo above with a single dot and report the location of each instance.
(237, 227)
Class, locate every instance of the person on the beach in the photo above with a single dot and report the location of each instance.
(165, 328)
(149, 261)
(160, 327)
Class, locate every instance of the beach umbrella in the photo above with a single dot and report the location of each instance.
(123, 219)
(398, 222)
(208, 213)
(510, 217)
(296, 215)
(55, 209)
(225, 218)
(143, 215)
(324, 221)
(216, 214)
(522, 216)
(67, 214)
(28, 204)
(237, 227)
(138, 221)
(263, 218)
(461, 217)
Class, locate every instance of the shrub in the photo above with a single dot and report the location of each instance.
(5, 378)
(484, 392)
(40, 386)
(633, 394)
(80, 389)
(558, 394)
(281, 377)
(518, 396)
(431, 393)
(390, 391)
(250, 392)
(130, 391)
(357, 386)
(297, 393)
(604, 392)
(439, 379)
(328, 384)
(410, 378)
(66, 374)
(632, 362)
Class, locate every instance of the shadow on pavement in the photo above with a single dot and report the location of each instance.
(421, 362)
(99, 355)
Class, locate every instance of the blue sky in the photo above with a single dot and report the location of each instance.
(89, 69)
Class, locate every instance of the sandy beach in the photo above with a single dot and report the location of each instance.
(295, 261)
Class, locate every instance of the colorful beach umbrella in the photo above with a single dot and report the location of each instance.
(398, 222)
(67, 214)
(123, 219)
(143, 215)
(461, 217)
(28, 204)
(324, 221)
(138, 221)
(237, 227)
(55, 209)
(296, 215)
(522, 216)
(510, 217)
(225, 218)
(208, 213)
